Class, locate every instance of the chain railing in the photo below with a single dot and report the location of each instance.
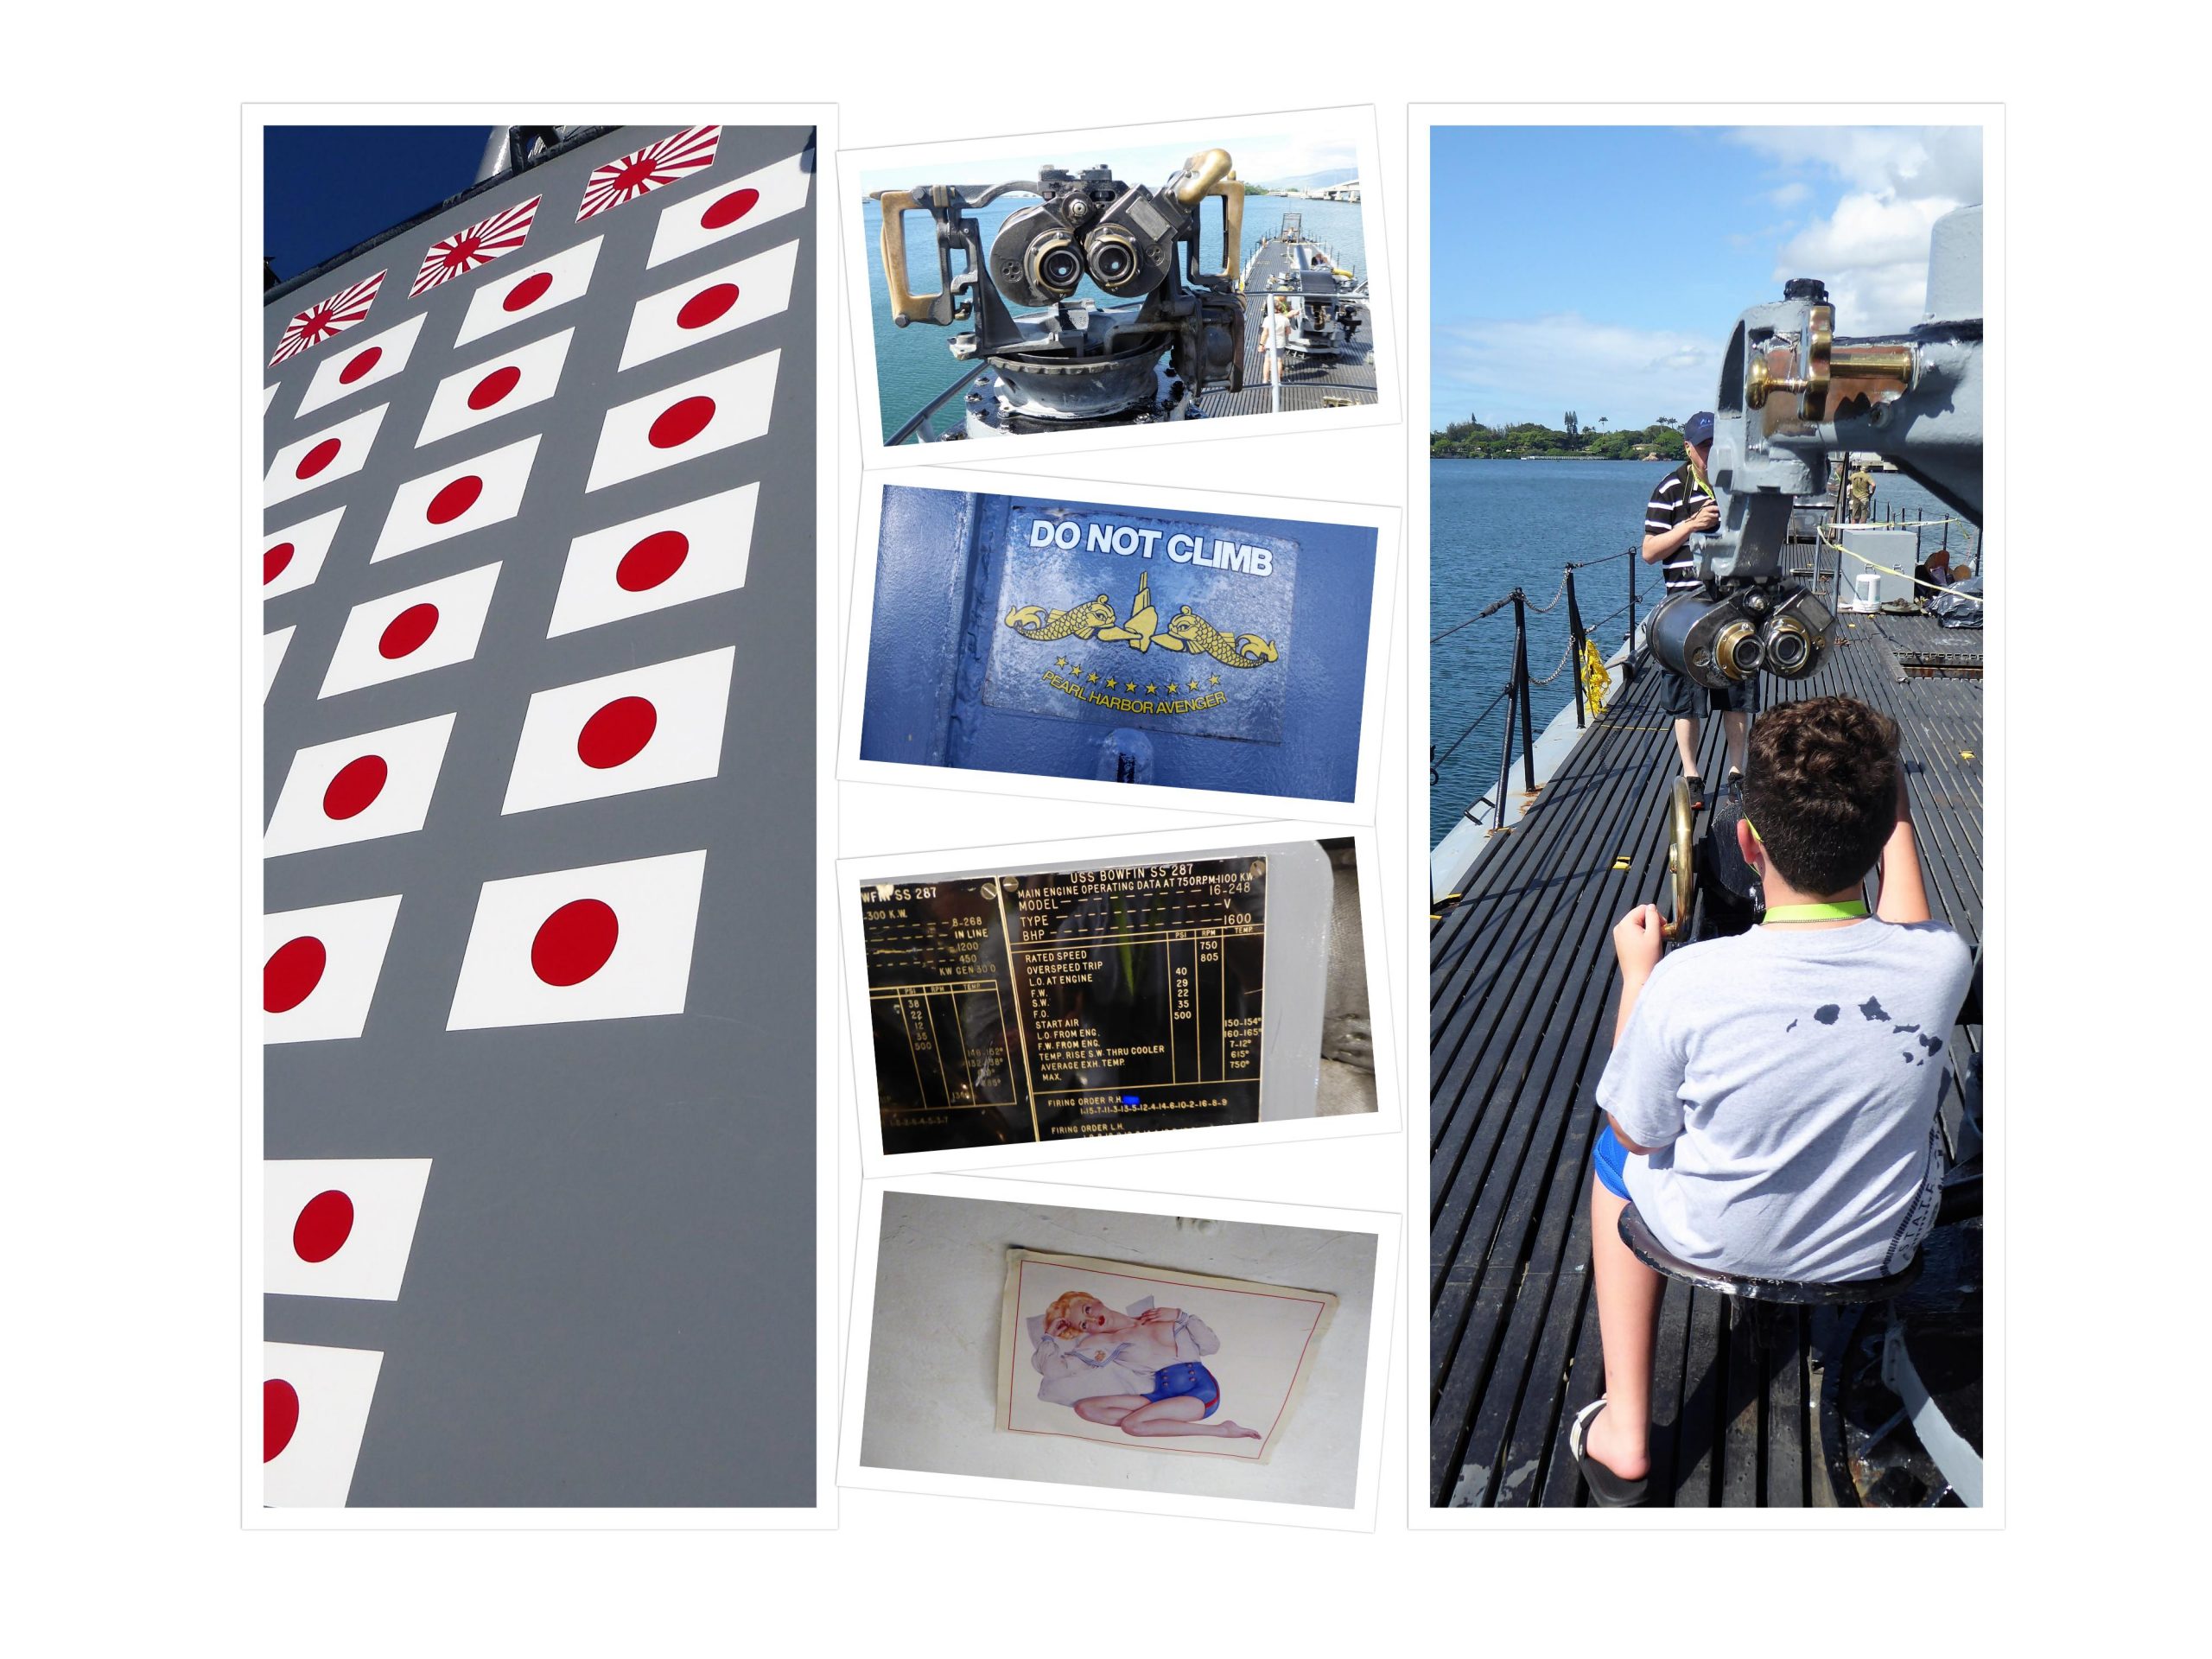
(1579, 649)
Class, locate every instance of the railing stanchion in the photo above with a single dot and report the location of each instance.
(1575, 637)
(1520, 678)
(1627, 663)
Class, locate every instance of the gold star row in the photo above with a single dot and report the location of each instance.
(1092, 676)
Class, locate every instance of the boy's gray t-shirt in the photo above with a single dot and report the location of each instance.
(1787, 1082)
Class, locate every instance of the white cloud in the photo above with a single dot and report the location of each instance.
(1791, 194)
(1871, 248)
(1631, 376)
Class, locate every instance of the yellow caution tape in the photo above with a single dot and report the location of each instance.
(1933, 586)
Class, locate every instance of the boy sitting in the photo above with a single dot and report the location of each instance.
(1770, 1100)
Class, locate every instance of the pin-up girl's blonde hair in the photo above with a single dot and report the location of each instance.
(1056, 1322)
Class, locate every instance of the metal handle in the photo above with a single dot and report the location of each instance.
(906, 305)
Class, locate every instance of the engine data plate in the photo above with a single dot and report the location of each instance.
(1046, 1005)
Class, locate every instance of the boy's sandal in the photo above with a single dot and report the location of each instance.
(1607, 1490)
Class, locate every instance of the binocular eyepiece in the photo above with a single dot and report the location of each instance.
(1122, 237)
(1722, 641)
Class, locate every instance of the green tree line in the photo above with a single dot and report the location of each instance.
(1470, 439)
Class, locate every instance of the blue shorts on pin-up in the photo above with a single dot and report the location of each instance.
(1172, 1382)
(1610, 1158)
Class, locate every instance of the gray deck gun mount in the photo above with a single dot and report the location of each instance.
(1077, 363)
(1791, 394)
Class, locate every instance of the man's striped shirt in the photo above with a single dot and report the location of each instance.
(1676, 499)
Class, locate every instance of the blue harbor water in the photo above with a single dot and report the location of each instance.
(1496, 525)
(912, 363)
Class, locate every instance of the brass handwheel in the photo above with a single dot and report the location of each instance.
(1681, 858)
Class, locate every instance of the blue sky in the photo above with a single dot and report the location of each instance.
(1600, 269)
(326, 188)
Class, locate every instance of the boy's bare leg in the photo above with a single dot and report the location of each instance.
(1736, 734)
(1627, 1326)
(1686, 746)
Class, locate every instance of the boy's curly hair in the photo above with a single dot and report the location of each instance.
(1821, 790)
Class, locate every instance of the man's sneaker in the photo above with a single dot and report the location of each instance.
(1734, 786)
(1697, 792)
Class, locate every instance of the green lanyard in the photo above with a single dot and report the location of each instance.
(1698, 482)
(1850, 909)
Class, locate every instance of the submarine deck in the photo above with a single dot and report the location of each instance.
(1308, 383)
(1523, 995)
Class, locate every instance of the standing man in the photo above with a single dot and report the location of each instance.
(1683, 506)
(1862, 496)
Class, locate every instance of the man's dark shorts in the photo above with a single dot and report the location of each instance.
(1684, 698)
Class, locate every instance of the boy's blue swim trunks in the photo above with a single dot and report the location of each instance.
(1172, 1382)
(1609, 1156)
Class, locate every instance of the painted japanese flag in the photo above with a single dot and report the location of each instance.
(434, 625)
(328, 317)
(612, 941)
(642, 729)
(711, 305)
(679, 155)
(340, 1226)
(698, 417)
(359, 788)
(273, 646)
(480, 244)
(527, 375)
(361, 364)
(530, 292)
(319, 969)
(486, 489)
(699, 222)
(663, 559)
(292, 559)
(335, 452)
(315, 1406)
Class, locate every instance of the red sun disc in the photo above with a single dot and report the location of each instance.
(363, 361)
(527, 292)
(494, 386)
(317, 458)
(275, 562)
(652, 561)
(454, 499)
(707, 305)
(680, 422)
(406, 631)
(575, 942)
(356, 787)
(280, 1416)
(727, 210)
(325, 1223)
(617, 733)
(292, 972)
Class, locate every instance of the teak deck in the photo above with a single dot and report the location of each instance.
(1523, 995)
(1310, 383)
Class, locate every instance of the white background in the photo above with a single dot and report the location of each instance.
(123, 1232)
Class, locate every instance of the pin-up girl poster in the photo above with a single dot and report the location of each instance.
(1119, 1353)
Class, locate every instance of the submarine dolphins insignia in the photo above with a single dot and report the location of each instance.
(1085, 620)
(1185, 630)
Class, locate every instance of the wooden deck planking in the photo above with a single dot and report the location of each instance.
(1524, 991)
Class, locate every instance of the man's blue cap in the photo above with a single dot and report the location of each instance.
(1699, 427)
